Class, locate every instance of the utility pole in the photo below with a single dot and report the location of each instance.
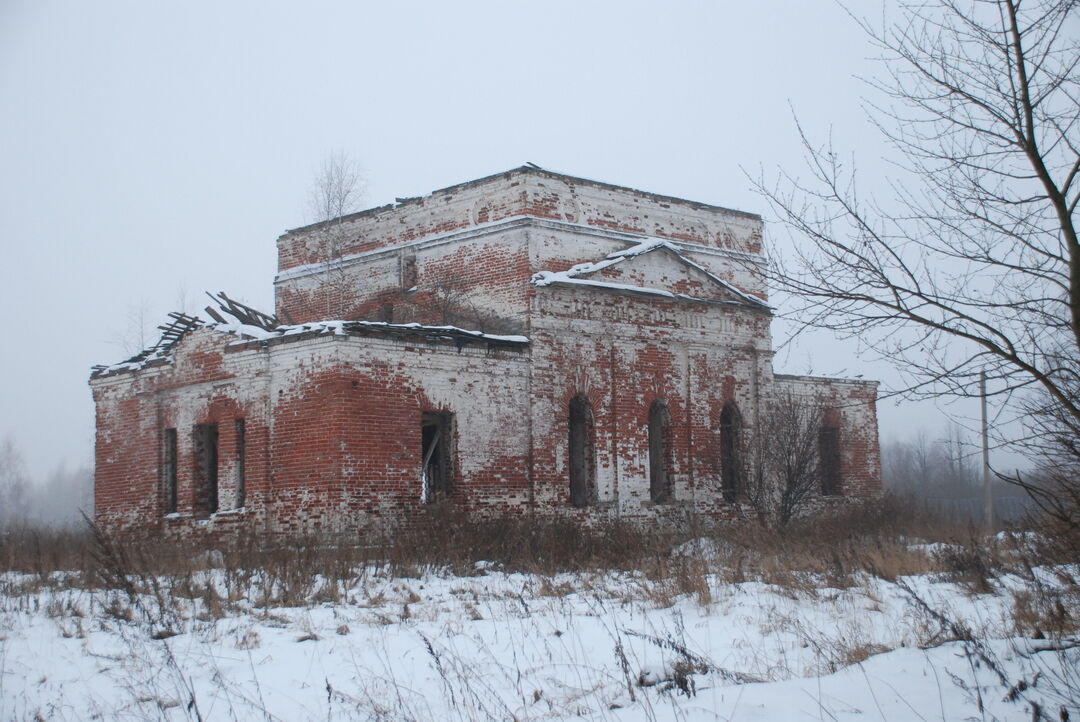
(988, 494)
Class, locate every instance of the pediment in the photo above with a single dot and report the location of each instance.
(650, 268)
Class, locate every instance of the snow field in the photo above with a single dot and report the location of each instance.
(520, 646)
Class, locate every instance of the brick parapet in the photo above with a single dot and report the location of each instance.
(528, 192)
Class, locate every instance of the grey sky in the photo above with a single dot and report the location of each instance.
(151, 149)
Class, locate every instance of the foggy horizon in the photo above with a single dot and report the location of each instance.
(153, 153)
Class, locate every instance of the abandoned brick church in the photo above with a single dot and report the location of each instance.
(525, 343)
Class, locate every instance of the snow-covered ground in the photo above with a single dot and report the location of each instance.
(516, 646)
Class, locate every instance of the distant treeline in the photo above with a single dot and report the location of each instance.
(946, 475)
(58, 500)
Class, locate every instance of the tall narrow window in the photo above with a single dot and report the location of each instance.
(659, 452)
(241, 481)
(582, 453)
(729, 452)
(168, 470)
(829, 460)
(206, 468)
(436, 434)
(408, 270)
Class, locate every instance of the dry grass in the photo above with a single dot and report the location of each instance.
(838, 551)
(171, 586)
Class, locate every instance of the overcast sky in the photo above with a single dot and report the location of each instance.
(150, 151)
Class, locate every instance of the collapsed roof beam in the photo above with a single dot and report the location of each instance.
(241, 312)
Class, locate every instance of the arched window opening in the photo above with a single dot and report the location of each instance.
(829, 460)
(168, 471)
(582, 452)
(436, 469)
(730, 424)
(206, 468)
(659, 452)
(241, 465)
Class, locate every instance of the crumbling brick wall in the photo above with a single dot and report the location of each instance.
(474, 237)
(851, 407)
(321, 429)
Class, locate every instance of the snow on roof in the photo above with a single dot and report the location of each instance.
(247, 333)
(345, 328)
(149, 357)
(572, 275)
(179, 325)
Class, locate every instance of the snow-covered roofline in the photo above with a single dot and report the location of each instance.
(573, 275)
(459, 336)
(819, 378)
(247, 333)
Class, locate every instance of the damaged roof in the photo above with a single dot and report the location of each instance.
(253, 326)
(459, 337)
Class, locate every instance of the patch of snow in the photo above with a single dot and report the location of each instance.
(341, 328)
(244, 330)
(546, 278)
(163, 355)
(653, 674)
(572, 275)
(933, 548)
(705, 549)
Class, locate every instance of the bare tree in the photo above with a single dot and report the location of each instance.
(138, 332)
(1055, 486)
(947, 466)
(183, 299)
(63, 497)
(974, 264)
(910, 465)
(13, 483)
(780, 458)
(449, 301)
(337, 191)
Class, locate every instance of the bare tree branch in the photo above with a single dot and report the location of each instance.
(974, 264)
(336, 192)
(780, 459)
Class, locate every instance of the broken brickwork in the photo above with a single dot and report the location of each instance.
(504, 345)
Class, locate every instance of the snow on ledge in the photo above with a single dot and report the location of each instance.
(342, 328)
(546, 278)
(246, 333)
(572, 275)
(155, 356)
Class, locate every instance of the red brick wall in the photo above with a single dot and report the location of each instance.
(332, 423)
(333, 436)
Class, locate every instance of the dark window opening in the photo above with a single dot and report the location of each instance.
(582, 453)
(829, 460)
(386, 313)
(436, 432)
(659, 452)
(241, 481)
(729, 452)
(206, 468)
(168, 470)
(408, 271)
